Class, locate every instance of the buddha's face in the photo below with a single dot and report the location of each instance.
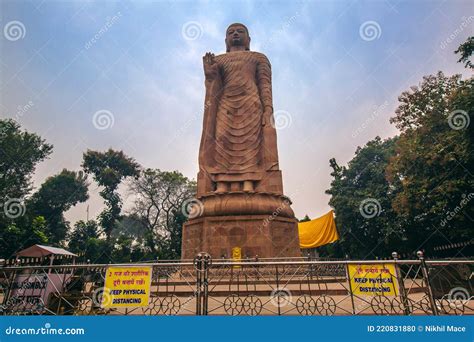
(236, 35)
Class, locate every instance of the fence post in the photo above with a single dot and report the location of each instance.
(348, 277)
(401, 285)
(278, 289)
(202, 262)
(197, 266)
(7, 295)
(207, 262)
(424, 269)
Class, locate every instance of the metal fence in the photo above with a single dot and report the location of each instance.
(264, 287)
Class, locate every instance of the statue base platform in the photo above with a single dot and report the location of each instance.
(265, 236)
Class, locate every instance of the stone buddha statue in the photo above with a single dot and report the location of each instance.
(239, 186)
(238, 145)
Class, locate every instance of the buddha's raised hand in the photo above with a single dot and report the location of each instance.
(210, 66)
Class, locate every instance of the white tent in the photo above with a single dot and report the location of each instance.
(38, 251)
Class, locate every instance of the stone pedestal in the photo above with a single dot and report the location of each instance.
(256, 235)
(261, 224)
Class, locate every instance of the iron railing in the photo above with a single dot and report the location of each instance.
(264, 287)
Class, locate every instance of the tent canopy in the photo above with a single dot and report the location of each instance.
(37, 251)
(318, 232)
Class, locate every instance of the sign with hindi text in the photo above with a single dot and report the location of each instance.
(127, 287)
(373, 279)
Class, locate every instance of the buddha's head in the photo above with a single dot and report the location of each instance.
(237, 35)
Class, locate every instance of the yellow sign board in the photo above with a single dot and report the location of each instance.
(126, 287)
(373, 279)
(237, 255)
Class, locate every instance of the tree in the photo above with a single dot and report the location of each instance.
(18, 235)
(109, 169)
(20, 151)
(361, 198)
(466, 50)
(82, 232)
(433, 161)
(160, 197)
(85, 241)
(305, 218)
(55, 196)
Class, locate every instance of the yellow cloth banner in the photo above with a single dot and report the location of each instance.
(318, 232)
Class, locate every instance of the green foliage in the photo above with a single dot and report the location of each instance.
(158, 207)
(361, 189)
(422, 180)
(18, 235)
(109, 169)
(465, 50)
(433, 160)
(81, 234)
(20, 151)
(85, 241)
(305, 218)
(55, 196)
(38, 226)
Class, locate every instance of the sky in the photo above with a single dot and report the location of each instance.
(128, 75)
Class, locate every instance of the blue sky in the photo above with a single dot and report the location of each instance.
(334, 83)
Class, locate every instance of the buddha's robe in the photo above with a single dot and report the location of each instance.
(238, 99)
